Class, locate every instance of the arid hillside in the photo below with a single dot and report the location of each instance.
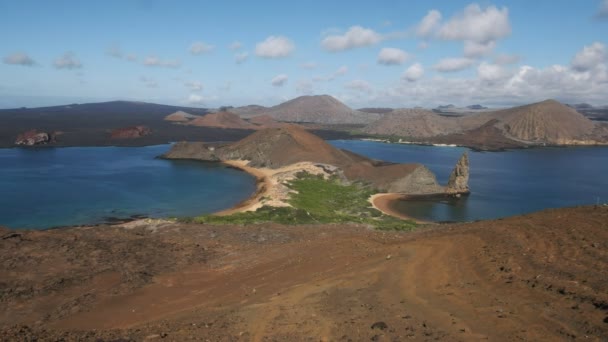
(539, 277)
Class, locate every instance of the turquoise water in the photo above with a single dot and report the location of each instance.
(48, 187)
(502, 184)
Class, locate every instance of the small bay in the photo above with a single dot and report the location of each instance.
(49, 187)
(502, 183)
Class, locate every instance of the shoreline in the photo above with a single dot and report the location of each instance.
(263, 187)
(382, 201)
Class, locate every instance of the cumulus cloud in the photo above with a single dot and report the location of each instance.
(341, 71)
(275, 47)
(359, 86)
(148, 82)
(194, 85)
(279, 80)
(476, 49)
(478, 28)
(428, 24)
(67, 61)
(589, 57)
(19, 58)
(154, 61)
(477, 24)
(453, 64)
(236, 45)
(116, 51)
(602, 12)
(413, 73)
(241, 57)
(198, 48)
(195, 99)
(392, 56)
(490, 72)
(355, 37)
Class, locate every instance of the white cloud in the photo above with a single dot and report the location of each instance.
(241, 57)
(157, 62)
(428, 24)
(194, 85)
(589, 57)
(477, 24)
(413, 73)
(148, 82)
(504, 59)
(67, 61)
(309, 65)
(19, 58)
(490, 72)
(478, 28)
(236, 45)
(195, 99)
(475, 49)
(275, 47)
(392, 56)
(198, 48)
(359, 86)
(343, 70)
(602, 11)
(453, 64)
(355, 37)
(279, 80)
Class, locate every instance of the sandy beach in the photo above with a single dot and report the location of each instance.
(382, 202)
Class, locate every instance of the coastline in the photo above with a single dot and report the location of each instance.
(382, 202)
(263, 186)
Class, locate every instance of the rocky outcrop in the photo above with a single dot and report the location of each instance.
(33, 137)
(133, 132)
(459, 179)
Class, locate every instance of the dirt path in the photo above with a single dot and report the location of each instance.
(540, 277)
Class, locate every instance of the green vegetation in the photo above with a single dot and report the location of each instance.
(318, 200)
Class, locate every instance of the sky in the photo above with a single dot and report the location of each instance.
(365, 53)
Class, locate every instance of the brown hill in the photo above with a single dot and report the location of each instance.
(221, 120)
(133, 132)
(180, 116)
(414, 123)
(278, 147)
(545, 122)
(321, 109)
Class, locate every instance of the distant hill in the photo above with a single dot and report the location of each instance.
(320, 109)
(249, 111)
(221, 120)
(381, 110)
(413, 123)
(547, 122)
(476, 107)
(180, 116)
(544, 122)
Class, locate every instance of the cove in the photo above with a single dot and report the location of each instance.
(502, 183)
(49, 187)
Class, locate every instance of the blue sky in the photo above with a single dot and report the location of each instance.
(373, 53)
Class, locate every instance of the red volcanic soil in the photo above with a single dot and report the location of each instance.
(130, 132)
(539, 277)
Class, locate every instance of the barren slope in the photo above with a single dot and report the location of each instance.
(322, 109)
(221, 120)
(548, 122)
(540, 277)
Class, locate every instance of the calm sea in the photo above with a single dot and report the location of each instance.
(502, 183)
(48, 187)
